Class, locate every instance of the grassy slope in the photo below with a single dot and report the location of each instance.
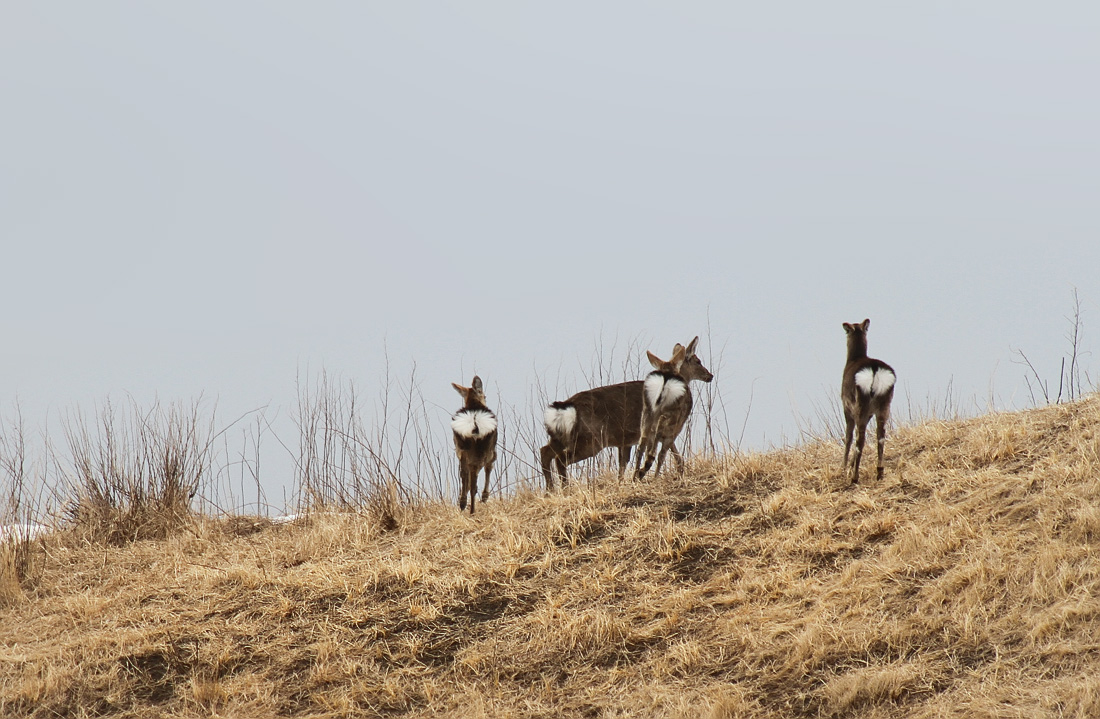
(963, 584)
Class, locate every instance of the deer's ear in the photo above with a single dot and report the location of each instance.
(848, 328)
(678, 358)
(691, 346)
(865, 324)
(460, 389)
(654, 360)
(477, 383)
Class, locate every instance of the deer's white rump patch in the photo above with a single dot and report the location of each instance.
(560, 422)
(473, 423)
(660, 392)
(874, 383)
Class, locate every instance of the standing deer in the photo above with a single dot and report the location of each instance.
(866, 389)
(588, 422)
(475, 432)
(667, 405)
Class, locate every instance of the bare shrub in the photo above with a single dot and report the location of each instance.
(345, 464)
(520, 434)
(237, 487)
(132, 473)
(1073, 380)
(22, 512)
(711, 418)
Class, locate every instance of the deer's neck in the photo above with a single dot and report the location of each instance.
(857, 348)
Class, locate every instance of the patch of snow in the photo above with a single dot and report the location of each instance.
(22, 532)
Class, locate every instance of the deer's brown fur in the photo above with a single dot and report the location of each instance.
(667, 404)
(588, 422)
(866, 389)
(475, 434)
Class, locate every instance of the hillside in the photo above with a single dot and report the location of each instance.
(964, 584)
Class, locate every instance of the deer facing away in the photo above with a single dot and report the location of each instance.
(475, 434)
(588, 422)
(666, 405)
(865, 390)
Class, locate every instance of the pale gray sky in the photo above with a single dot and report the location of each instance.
(209, 197)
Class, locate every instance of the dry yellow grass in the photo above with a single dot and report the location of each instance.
(964, 584)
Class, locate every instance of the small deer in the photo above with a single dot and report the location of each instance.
(475, 433)
(667, 405)
(866, 389)
(588, 422)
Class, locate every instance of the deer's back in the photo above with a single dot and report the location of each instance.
(609, 416)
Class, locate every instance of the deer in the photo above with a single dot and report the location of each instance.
(475, 435)
(587, 423)
(866, 389)
(667, 405)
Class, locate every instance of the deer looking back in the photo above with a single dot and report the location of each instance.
(667, 404)
(866, 389)
(475, 434)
